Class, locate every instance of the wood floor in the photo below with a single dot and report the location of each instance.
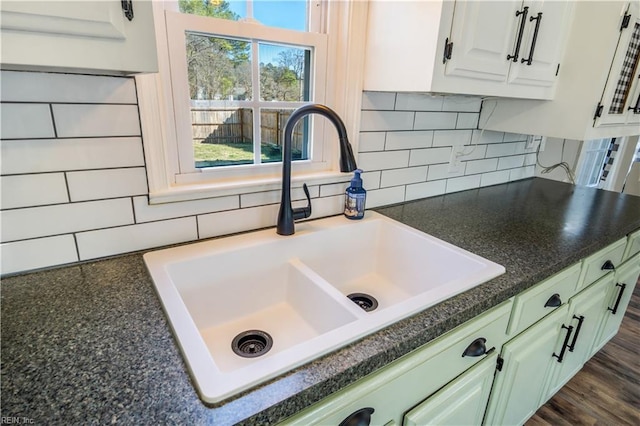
(607, 389)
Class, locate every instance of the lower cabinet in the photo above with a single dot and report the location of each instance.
(472, 375)
(384, 396)
(527, 360)
(461, 402)
(586, 311)
(617, 299)
(543, 358)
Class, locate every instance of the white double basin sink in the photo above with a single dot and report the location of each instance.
(282, 301)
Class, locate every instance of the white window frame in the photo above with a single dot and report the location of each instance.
(591, 163)
(345, 27)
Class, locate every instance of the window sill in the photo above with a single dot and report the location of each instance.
(190, 192)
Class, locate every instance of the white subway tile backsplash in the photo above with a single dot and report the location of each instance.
(48, 155)
(521, 173)
(371, 141)
(486, 136)
(378, 100)
(530, 159)
(371, 180)
(20, 121)
(229, 222)
(65, 88)
(463, 183)
(272, 197)
(494, 178)
(473, 152)
(33, 190)
(37, 253)
(369, 161)
(111, 183)
(441, 171)
(510, 162)
(481, 166)
(371, 121)
(435, 120)
(86, 120)
(462, 103)
(33, 222)
(80, 169)
(326, 206)
(409, 140)
(467, 120)
(334, 189)
(514, 137)
(403, 176)
(502, 149)
(419, 102)
(451, 137)
(425, 189)
(124, 239)
(145, 212)
(422, 157)
(384, 196)
(521, 148)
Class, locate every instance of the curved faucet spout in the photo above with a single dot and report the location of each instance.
(287, 215)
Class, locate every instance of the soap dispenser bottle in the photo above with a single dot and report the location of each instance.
(355, 197)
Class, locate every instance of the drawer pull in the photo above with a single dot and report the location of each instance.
(538, 20)
(476, 348)
(554, 301)
(614, 310)
(564, 345)
(362, 417)
(575, 336)
(516, 53)
(608, 266)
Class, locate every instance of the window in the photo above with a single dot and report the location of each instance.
(240, 80)
(595, 152)
(231, 72)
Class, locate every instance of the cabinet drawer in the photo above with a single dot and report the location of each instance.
(401, 385)
(633, 245)
(544, 298)
(595, 266)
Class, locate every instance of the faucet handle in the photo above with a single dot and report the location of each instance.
(303, 212)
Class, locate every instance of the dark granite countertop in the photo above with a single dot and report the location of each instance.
(90, 344)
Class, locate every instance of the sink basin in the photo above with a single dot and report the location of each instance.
(249, 307)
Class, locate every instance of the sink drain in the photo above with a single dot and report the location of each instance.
(252, 343)
(365, 301)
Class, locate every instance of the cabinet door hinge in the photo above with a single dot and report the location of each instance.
(599, 109)
(127, 8)
(499, 363)
(625, 21)
(557, 70)
(448, 48)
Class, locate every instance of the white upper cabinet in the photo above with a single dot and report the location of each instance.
(598, 88)
(620, 103)
(113, 37)
(547, 26)
(492, 48)
(482, 51)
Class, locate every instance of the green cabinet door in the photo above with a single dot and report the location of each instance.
(618, 299)
(461, 402)
(586, 313)
(520, 385)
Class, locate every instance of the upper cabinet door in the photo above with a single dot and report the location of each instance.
(543, 43)
(110, 36)
(484, 34)
(620, 103)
